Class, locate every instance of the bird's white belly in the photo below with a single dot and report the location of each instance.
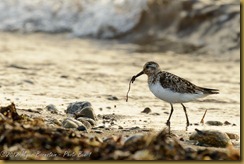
(170, 96)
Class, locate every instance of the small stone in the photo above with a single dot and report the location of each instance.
(86, 123)
(56, 121)
(134, 128)
(39, 109)
(155, 114)
(181, 139)
(214, 123)
(85, 119)
(98, 131)
(227, 123)
(120, 127)
(101, 126)
(86, 112)
(146, 110)
(233, 124)
(233, 136)
(77, 106)
(210, 138)
(52, 108)
(64, 76)
(71, 123)
(108, 107)
(166, 112)
(112, 98)
(81, 128)
(196, 124)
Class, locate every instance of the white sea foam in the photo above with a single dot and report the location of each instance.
(102, 18)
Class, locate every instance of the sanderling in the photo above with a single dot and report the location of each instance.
(171, 88)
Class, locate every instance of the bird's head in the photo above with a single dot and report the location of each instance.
(149, 68)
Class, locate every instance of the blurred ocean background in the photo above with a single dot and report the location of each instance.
(201, 26)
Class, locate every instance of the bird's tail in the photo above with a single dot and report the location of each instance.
(210, 91)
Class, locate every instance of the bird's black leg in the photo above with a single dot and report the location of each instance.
(171, 112)
(187, 120)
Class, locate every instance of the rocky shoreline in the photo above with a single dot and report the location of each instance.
(32, 138)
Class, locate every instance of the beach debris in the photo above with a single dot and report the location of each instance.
(10, 112)
(202, 120)
(210, 138)
(31, 134)
(127, 94)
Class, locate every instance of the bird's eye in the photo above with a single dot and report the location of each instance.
(147, 67)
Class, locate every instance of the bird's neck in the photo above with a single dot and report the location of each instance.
(152, 78)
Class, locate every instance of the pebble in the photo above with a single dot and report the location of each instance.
(134, 128)
(155, 114)
(210, 138)
(227, 123)
(71, 123)
(214, 123)
(233, 136)
(98, 131)
(82, 128)
(52, 108)
(77, 106)
(146, 110)
(56, 121)
(112, 98)
(85, 119)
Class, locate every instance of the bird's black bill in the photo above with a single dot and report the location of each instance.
(134, 77)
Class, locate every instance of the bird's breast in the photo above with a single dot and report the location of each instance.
(170, 96)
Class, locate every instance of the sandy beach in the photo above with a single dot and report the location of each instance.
(39, 69)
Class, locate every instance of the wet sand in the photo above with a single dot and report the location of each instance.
(40, 69)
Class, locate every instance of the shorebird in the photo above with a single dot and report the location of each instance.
(171, 88)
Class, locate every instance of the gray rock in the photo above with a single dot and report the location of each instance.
(81, 109)
(52, 108)
(77, 106)
(86, 112)
(211, 138)
(71, 123)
